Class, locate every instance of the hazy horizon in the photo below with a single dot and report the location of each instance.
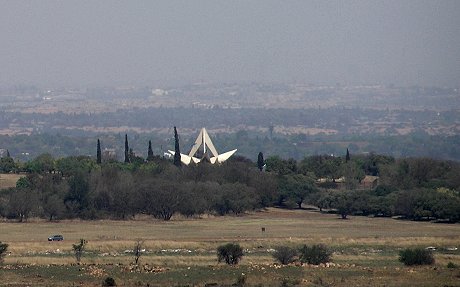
(96, 43)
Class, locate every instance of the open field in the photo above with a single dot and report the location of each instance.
(183, 251)
(8, 180)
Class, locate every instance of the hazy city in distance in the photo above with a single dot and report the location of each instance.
(323, 76)
(229, 143)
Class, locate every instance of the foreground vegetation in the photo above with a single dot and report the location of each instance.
(182, 252)
(79, 187)
(172, 221)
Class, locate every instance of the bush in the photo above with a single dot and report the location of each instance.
(230, 253)
(137, 250)
(451, 265)
(241, 281)
(315, 254)
(109, 281)
(288, 282)
(3, 248)
(285, 254)
(416, 256)
(78, 249)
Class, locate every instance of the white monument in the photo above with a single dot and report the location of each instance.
(198, 155)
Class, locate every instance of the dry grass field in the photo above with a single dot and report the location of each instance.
(183, 251)
(8, 180)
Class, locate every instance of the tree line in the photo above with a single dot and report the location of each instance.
(63, 143)
(88, 188)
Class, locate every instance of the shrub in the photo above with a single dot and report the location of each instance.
(230, 253)
(315, 254)
(416, 256)
(137, 250)
(3, 248)
(241, 281)
(288, 282)
(78, 249)
(451, 265)
(285, 254)
(109, 281)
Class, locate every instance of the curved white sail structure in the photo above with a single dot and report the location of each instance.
(204, 141)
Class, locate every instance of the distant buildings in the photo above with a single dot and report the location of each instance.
(109, 154)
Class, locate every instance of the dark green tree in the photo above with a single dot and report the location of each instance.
(177, 161)
(322, 200)
(297, 188)
(23, 202)
(260, 161)
(347, 157)
(99, 153)
(68, 166)
(121, 193)
(163, 199)
(41, 164)
(53, 206)
(344, 202)
(8, 154)
(78, 194)
(230, 253)
(323, 166)
(150, 152)
(7, 164)
(353, 174)
(281, 166)
(126, 149)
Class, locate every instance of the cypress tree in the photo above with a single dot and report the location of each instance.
(177, 161)
(347, 157)
(150, 152)
(8, 154)
(260, 161)
(126, 149)
(99, 153)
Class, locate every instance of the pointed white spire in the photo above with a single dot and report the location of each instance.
(204, 140)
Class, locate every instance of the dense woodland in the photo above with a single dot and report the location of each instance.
(79, 187)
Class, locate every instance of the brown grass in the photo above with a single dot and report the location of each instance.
(8, 180)
(180, 243)
(282, 227)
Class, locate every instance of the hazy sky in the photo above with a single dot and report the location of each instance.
(81, 43)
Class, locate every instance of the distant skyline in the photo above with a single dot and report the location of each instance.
(161, 43)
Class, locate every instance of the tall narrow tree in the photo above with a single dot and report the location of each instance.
(99, 153)
(177, 161)
(260, 161)
(150, 152)
(8, 154)
(126, 149)
(347, 157)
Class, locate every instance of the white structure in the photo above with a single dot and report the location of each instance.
(197, 155)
